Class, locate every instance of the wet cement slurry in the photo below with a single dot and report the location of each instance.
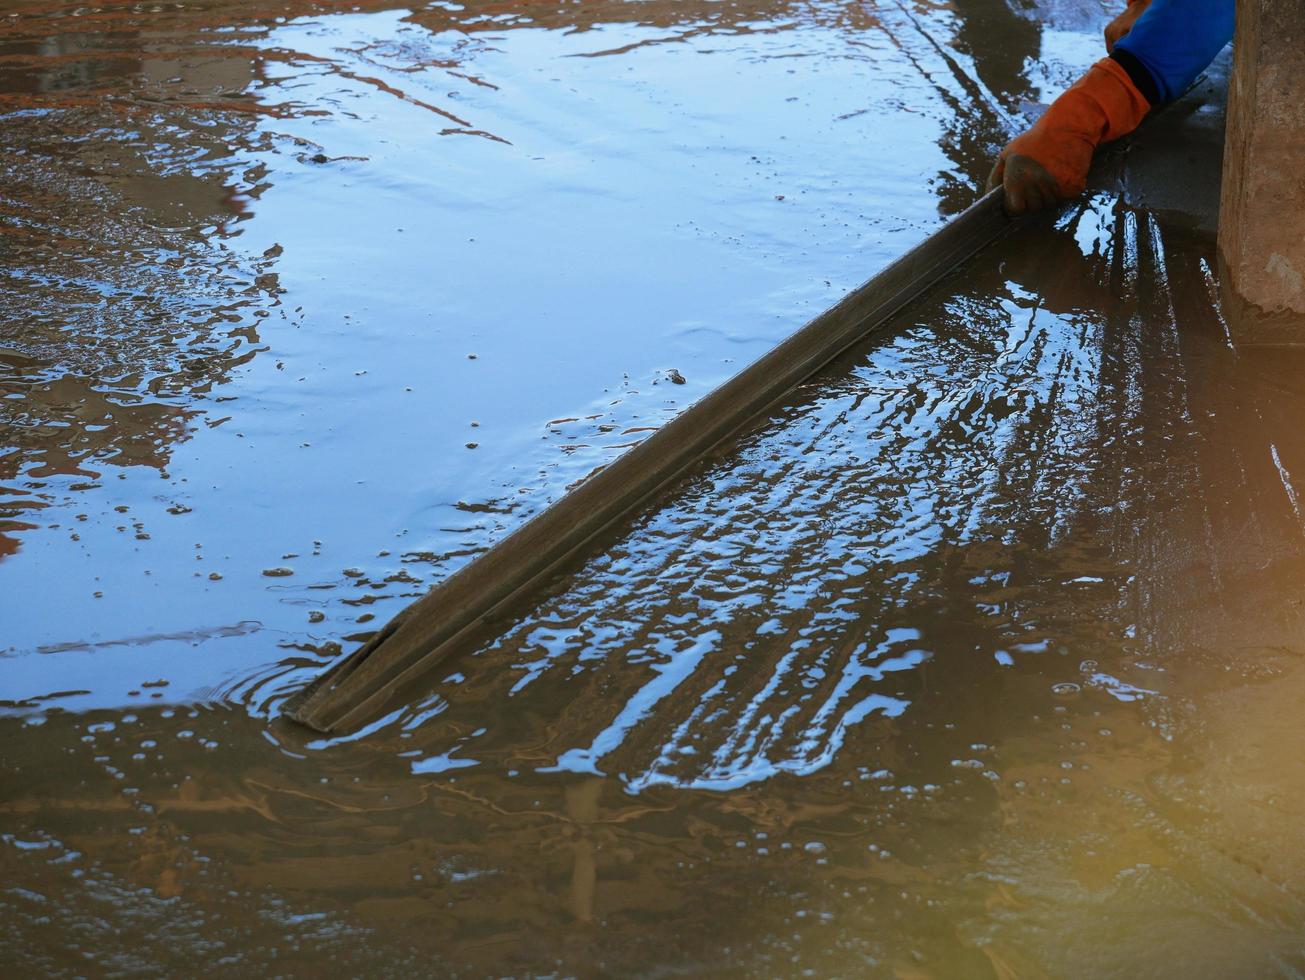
(264, 292)
(981, 658)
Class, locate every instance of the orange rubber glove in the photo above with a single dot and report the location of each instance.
(1050, 162)
(1121, 25)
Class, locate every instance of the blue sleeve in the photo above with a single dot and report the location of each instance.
(1175, 40)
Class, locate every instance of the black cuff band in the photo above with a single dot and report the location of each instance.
(1137, 74)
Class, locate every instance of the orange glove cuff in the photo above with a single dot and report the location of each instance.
(1101, 106)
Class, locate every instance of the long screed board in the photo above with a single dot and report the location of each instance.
(482, 598)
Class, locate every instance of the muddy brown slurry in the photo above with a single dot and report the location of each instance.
(253, 247)
(981, 658)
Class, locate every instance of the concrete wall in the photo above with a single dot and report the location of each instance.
(1262, 216)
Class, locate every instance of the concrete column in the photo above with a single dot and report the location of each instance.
(1262, 214)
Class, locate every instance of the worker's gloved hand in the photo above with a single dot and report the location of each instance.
(1122, 24)
(1050, 162)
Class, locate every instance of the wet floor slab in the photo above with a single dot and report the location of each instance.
(980, 658)
(300, 299)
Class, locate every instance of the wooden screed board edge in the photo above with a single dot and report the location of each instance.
(502, 583)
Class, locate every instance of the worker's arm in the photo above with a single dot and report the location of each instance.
(1160, 53)
(1172, 43)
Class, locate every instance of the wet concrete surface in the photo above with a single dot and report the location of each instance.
(981, 658)
(266, 293)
